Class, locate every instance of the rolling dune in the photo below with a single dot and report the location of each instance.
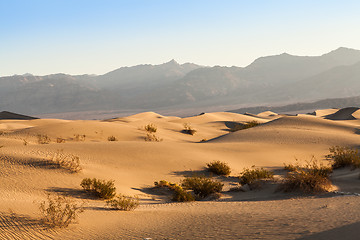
(26, 176)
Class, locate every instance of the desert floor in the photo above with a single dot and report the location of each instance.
(134, 164)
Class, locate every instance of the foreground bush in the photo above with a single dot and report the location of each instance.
(249, 176)
(179, 194)
(290, 167)
(124, 203)
(245, 126)
(101, 188)
(344, 156)
(311, 178)
(59, 211)
(188, 129)
(202, 186)
(219, 168)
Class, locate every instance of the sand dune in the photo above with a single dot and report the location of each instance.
(135, 164)
(343, 114)
(325, 112)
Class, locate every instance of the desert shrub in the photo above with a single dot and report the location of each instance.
(43, 139)
(179, 194)
(122, 202)
(112, 139)
(101, 188)
(219, 168)
(290, 167)
(246, 125)
(163, 183)
(202, 186)
(67, 161)
(25, 142)
(344, 156)
(151, 128)
(60, 140)
(188, 129)
(311, 178)
(249, 176)
(79, 137)
(151, 137)
(59, 211)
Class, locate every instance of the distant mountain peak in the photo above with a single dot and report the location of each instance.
(342, 51)
(172, 62)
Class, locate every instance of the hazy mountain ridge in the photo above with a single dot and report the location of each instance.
(274, 79)
(305, 106)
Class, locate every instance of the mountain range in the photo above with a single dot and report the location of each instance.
(272, 80)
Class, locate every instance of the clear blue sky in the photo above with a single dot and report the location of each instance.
(97, 36)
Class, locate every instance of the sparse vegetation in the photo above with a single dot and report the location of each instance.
(344, 157)
(250, 176)
(150, 128)
(67, 161)
(150, 133)
(43, 139)
(150, 137)
(79, 137)
(179, 194)
(219, 168)
(112, 139)
(60, 140)
(101, 188)
(311, 178)
(290, 167)
(246, 125)
(188, 129)
(124, 203)
(25, 142)
(202, 186)
(59, 211)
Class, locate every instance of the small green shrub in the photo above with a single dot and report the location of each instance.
(101, 188)
(202, 186)
(247, 125)
(122, 202)
(59, 211)
(311, 178)
(179, 194)
(151, 128)
(43, 139)
(163, 183)
(188, 129)
(249, 176)
(112, 139)
(344, 156)
(219, 168)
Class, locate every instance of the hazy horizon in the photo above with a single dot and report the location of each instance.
(170, 60)
(91, 37)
